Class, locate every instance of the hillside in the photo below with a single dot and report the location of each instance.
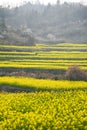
(52, 23)
(47, 23)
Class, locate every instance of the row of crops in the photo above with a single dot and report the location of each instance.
(39, 47)
(50, 105)
(42, 104)
(46, 58)
(42, 84)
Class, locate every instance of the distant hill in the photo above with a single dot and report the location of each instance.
(52, 23)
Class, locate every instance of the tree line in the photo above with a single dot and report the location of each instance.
(48, 21)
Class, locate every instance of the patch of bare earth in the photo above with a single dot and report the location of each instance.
(7, 88)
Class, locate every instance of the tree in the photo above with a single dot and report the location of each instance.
(31, 40)
(58, 2)
(2, 19)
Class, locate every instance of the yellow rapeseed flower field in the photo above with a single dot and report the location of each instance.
(43, 111)
(59, 56)
(42, 84)
(48, 104)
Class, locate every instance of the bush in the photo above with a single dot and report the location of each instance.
(75, 73)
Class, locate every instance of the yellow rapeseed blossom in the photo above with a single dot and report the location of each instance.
(44, 110)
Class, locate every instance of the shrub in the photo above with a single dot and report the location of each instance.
(75, 73)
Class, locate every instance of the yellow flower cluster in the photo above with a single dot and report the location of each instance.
(42, 84)
(43, 111)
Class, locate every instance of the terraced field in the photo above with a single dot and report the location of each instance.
(59, 56)
(33, 84)
(42, 104)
